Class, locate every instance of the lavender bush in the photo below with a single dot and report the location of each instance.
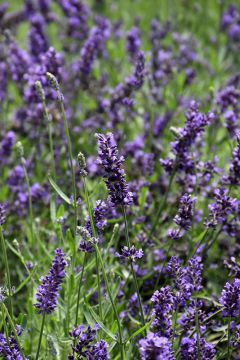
(120, 174)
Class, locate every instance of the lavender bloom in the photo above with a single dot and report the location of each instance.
(6, 146)
(137, 79)
(3, 81)
(155, 347)
(38, 43)
(187, 280)
(234, 171)
(194, 127)
(48, 292)
(99, 216)
(99, 351)
(228, 97)
(230, 23)
(234, 266)
(220, 210)
(19, 62)
(76, 14)
(85, 347)
(87, 241)
(236, 340)
(188, 320)
(2, 214)
(185, 213)
(230, 299)
(163, 305)
(113, 172)
(9, 349)
(133, 42)
(189, 349)
(131, 253)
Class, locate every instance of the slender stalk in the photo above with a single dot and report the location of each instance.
(48, 120)
(5, 258)
(79, 288)
(132, 269)
(228, 339)
(4, 324)
(174, 324)
(161, 207)
(60, 101)
(29, 196)
(96, 256)
(197, 330)
(40, 336)
(12, 327)
(122, 349)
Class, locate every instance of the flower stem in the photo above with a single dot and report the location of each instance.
(4, 252)
(96, 256)
(161, 207)
(197, 330)
(29, 197)
(12, 327)
(132, 269)
(123, 355)
(79, 288)
(228, 339)
(60, 101)
(40, 336)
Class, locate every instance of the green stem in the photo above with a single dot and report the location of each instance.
(60, 101)
(29, 197)
(40, 336)
(12, 327)
(228, 339)
(132, 269)
(4, 251)
(155, 222)
(197, 330)
(79, 289)
(5, 325)
(123, 355)
(50, 138)
(174, 324)
(96, 256)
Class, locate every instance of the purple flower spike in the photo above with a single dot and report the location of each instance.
(48, 292)
(114, 174)
(230, 299)
(155, 347)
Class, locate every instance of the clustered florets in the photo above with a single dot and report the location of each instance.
(113, 172)
(48, 292)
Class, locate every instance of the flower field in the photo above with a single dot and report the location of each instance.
(120, 175)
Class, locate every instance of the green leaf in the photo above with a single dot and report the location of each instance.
(59, 191)
(139, 331)
(102, 326)
(24, 283)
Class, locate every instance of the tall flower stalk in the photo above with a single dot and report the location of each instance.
(5, 259)
(117, 187)
(48, 121)
(48, 292)
(20, 150)
(54, 83)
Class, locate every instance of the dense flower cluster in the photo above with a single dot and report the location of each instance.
(113, 172)
(9, 349)
(230, 299)
(48, 292)
(86, 347)
(155, 347)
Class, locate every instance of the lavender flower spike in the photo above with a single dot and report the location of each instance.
(48, 292)
(114, 174)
